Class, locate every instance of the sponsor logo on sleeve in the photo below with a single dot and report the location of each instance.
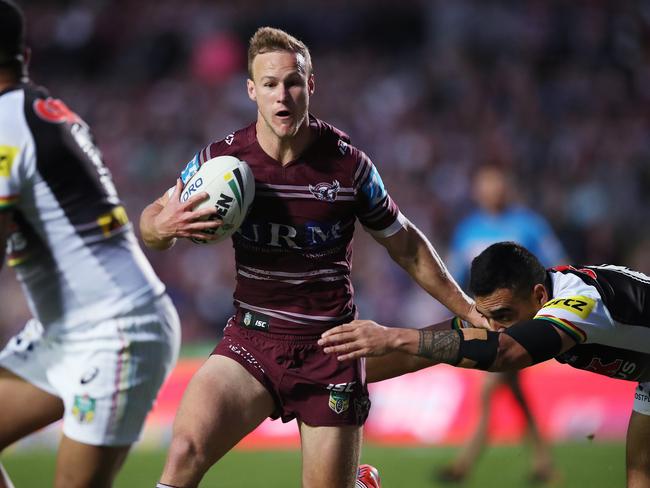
(55, 111)
(578, 305)
(190, 168)
(373, 188)
(7, 157)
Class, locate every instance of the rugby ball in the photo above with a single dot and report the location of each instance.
(231, 186)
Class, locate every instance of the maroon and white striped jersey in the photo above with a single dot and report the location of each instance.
(294, 250)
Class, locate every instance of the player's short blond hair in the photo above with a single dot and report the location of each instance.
(270, 39)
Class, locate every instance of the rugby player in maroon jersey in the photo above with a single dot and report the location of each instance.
(293, 256)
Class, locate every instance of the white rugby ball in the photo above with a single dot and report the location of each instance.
(231, 186)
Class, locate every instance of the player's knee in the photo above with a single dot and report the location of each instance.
(185, 452)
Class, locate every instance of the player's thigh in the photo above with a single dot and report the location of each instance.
(80, 465)
(330, 455)
(24, 408)
(223, 402)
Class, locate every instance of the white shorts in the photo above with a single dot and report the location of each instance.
(642, 399)
(108, 375)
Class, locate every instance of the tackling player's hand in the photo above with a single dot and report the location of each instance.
(359, 338)
(178, 219)
(477, 319)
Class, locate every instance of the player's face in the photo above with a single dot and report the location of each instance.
(504, 308)
(281, 88)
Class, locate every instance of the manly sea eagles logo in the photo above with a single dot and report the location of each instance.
(325, 191)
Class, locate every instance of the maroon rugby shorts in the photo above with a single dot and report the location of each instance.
(305, 383)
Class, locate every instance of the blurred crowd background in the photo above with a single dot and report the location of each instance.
(556, 92)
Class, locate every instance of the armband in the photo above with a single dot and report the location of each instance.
(538, 337)
(482, 351)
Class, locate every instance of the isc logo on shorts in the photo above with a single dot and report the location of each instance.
(346, 387)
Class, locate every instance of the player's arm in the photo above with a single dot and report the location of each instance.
(397, 363)
(5, 222)
(167, 218)
(412, 251)
(524, 344)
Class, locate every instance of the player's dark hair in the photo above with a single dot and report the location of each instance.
(505, 265)
(12, 36)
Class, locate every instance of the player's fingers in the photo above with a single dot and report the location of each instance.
(177, 189)
(335, 330)
(338, 337)
(359, 353)
(341, 347)
(195, 200)
(200, 235)
(205, 212)
(203, 224)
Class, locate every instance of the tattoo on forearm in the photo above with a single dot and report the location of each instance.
(441, 346)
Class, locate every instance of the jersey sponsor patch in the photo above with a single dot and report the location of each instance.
(55, 111)
(373, 188)
(7, 157)
(190, 169)
(579, 305)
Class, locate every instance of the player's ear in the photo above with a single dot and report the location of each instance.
(311, 84)
(250, 88)
(540, 294)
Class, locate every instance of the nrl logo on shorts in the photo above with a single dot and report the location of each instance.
(339, 402)
(325, 191)
(247, 318)
(83, 409)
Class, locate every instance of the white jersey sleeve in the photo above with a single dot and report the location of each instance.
(577, 309)
(15, 149)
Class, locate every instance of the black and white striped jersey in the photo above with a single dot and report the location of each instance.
(71, 242)
(606, 309)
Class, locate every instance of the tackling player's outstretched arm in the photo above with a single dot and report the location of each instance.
(167, 218)
(524, 344)
(412, 251)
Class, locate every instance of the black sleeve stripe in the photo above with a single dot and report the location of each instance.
(539, 337)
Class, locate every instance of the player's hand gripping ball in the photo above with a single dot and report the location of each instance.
(230, 185)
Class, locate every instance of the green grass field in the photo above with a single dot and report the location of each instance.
(593, 465)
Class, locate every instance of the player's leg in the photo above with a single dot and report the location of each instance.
(542, 470)
(330, 455)
(468, 457)
(222, 403)
(24, 409)
(109, 376)
(80, 465)
(637, 449)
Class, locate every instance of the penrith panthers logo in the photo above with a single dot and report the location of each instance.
(325, 191)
